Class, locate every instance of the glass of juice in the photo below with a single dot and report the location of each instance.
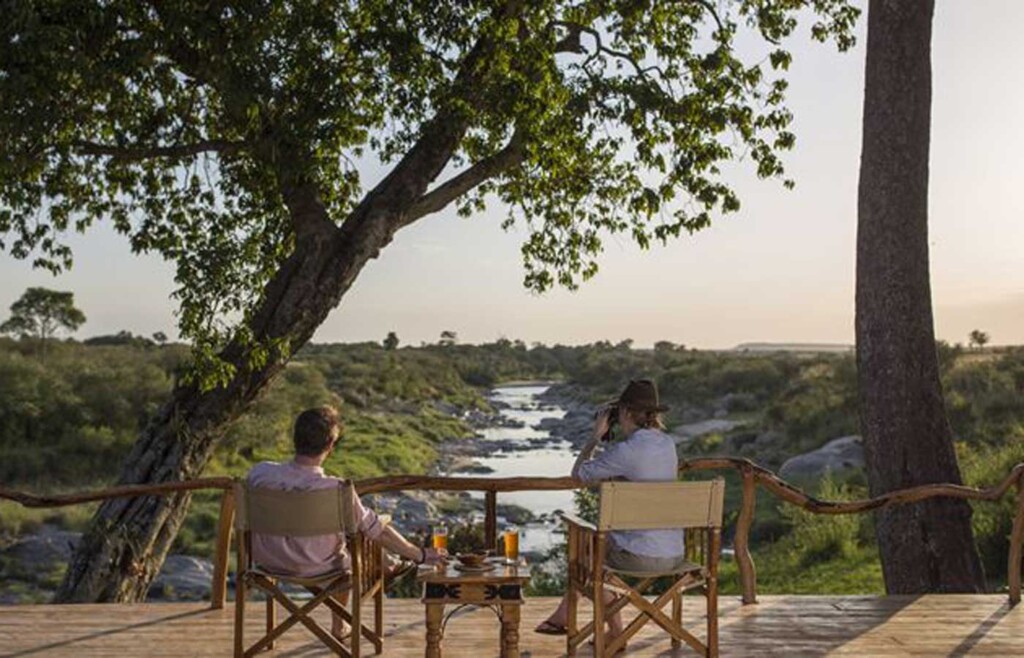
(512, 545)
(439, 538)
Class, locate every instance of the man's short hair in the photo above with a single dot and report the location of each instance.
(315, 429)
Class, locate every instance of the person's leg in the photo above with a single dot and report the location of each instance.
(340, 628)
(615, 621)
(555, 623)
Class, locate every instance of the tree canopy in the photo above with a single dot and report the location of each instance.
(40, 313)
(192, 126)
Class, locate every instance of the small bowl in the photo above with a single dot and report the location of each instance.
(472, 559)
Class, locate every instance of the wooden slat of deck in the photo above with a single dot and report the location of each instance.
(950, 625)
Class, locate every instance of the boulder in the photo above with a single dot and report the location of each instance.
(690, 431)
(45, 550)
(838, 455)
(182, 578)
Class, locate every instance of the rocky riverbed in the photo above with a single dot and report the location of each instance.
(537, 433)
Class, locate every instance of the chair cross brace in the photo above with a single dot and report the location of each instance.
(301, 614)
(634, 595)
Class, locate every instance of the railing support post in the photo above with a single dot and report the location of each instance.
(219, 587)
(748, 573)
(1016, 540)
(491, 520)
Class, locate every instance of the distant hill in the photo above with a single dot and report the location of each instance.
(793, 347)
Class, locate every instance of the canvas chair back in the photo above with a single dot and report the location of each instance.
(661, 505)
(295, 513)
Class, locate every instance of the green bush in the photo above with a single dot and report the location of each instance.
(817, 538)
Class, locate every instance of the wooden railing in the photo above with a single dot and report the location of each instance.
(752, 476)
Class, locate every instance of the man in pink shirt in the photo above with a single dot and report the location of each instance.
(315, 435)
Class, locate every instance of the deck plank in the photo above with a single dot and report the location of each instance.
(932, 625)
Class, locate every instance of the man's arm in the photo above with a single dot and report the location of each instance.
(393, 540)
(585, 454)
(371, 526)
(609, 464)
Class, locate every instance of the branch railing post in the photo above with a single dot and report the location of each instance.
(225, 526)
(752, 475)
(745, 562)
(1016, 540)
(491, 520)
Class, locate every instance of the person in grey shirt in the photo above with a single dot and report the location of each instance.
(645, 454)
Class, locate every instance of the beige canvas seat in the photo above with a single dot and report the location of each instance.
(304, 514)
(694, 506)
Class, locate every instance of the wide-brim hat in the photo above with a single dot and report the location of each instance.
(641, 395)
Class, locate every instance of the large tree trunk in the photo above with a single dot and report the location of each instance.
(927, 547)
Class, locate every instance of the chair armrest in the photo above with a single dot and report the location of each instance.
(579, 523)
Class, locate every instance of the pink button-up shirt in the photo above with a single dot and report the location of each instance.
(304, 556)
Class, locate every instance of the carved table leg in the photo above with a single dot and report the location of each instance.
(435, 612)
(510, 631)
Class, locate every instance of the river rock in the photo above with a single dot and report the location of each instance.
(690, 431)
(414, 512)
(474, 468)
(839, 455)
(182, 578)
(45, 550)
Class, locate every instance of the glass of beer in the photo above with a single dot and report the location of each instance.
(511, 545)
(439, 538)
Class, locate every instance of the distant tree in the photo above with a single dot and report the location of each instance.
(448, 338)
(626, 344)
(123, 337)
(664, 346)
(40, 313)
(908, 440)
(978, 338)
(391, 341)
(160, 337)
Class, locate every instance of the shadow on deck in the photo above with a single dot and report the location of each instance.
(932, 625)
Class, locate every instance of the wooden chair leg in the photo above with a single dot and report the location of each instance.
(271, 622)
(598, 600)
(378, 618)
(677, 616)
(571, 595)
(240, 615)
(714, 549)
(712, 619)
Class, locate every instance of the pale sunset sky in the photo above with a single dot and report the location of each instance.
(780, 270)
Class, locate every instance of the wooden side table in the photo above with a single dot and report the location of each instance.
(500, 589)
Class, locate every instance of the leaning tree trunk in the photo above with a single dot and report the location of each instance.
(129, 538)
(927, 547)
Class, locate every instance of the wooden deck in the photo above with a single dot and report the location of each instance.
(933, 625)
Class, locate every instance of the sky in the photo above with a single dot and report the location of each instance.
(780, 270)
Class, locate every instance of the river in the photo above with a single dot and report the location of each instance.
(552, 458)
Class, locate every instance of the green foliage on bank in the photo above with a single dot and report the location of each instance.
(67, 423)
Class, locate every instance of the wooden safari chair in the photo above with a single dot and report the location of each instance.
(695, 506)
(304, 514)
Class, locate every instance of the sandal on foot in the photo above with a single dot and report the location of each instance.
(548, 627)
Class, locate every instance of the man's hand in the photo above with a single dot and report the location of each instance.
(601, 425)
(432, 556)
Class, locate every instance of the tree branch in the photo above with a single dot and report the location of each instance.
(571, 43)
(435, 200)
(440, 137)
(222, 146)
